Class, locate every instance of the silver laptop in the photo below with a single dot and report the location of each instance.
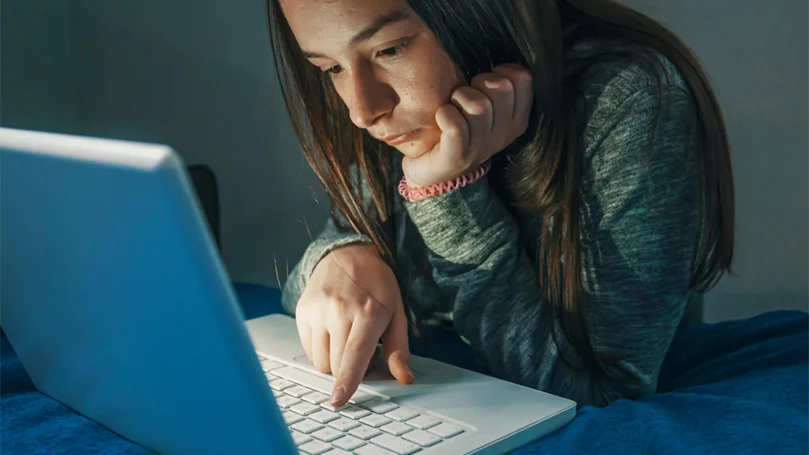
(116, 301)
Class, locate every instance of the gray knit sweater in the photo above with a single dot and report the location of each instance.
(478, 282)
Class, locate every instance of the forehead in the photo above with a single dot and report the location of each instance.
(316, 23)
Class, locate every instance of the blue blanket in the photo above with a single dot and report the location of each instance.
(735, 387)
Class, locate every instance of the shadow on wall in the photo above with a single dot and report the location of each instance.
(130, 86)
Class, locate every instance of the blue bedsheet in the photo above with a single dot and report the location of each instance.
(735, 387)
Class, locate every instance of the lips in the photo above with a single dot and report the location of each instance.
(396, 139)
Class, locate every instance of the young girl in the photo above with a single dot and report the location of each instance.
(545, 183)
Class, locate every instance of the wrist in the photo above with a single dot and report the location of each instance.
(345, 253)
(412, 192)
(354, 251)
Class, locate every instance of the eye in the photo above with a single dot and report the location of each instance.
(391, 51)
(336, 69)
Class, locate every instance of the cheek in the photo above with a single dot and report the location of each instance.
(436, 86)
(430, 76)
(425, 93)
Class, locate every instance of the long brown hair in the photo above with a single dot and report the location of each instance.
(539, 175)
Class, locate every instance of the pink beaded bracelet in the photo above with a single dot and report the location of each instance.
(413, 194)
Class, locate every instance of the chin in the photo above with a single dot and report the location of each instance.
(414, 149)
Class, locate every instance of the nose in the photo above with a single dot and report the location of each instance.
(370, 98)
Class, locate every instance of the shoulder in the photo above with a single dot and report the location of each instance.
(631, 102)
(605, 74)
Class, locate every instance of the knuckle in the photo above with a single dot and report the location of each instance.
(372, 310)
(466, 91)
(495, 83)
(484, 81)
(354, 346)
(521, 73)
(479, 105)
(479, 80)
(524, 80)
(468, 96)
(504, 84)
(336, 305)
(518, 75)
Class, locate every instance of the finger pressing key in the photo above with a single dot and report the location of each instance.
(360, 348)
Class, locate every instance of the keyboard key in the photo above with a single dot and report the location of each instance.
(371, 449)
(348, 443)
(304, 409)
(291, 417)
(446, 430)
(261, 356)
(324, 416)
(353, 412)
(364, 432)
(423, 422)
(422, 438)
(281, 384)
(339, 452)
(401, 414)
(269, 365)
(315, 397)
(396, 445)
(375, 420)
(286, 401)
(329, 407)
(307, 426)
(379, 406)
(360, 397)
(315, 448)
(344, 424)
(396, 428)
(330, 434)
(300, 438)
(318, 383)
(298, 391)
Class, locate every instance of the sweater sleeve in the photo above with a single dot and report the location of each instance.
(637, 246)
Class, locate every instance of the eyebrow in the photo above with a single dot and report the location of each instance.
(369, 32)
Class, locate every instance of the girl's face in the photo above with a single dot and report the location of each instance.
(386, 64)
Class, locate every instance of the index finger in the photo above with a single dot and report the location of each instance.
(360, 348)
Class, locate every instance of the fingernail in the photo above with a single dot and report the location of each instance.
(338, 394)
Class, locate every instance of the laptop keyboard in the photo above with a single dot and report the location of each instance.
(367, 425)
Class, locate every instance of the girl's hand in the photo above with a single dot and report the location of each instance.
(480, 121)
(351, 301)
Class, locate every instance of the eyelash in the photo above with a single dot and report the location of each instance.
(335, 70)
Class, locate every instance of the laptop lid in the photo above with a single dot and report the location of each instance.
(116, 301)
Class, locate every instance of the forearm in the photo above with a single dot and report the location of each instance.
(478, 259)
(500, 310)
